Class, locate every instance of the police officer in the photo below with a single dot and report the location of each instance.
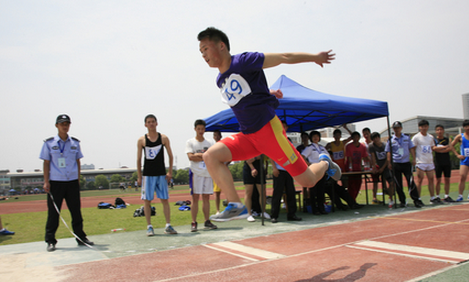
(401, 148)
(61, 155)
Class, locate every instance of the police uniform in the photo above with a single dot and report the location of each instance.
(64, 184)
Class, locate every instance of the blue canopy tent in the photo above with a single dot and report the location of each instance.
(305, 109)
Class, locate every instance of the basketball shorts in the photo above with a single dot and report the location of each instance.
(270, 140)
(200, 184)
(152, 185)
(425, 167)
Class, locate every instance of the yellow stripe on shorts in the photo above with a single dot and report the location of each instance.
(283, 142)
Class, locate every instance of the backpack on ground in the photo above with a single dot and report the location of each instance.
(141, 211)
(119, 201)
(103, 205)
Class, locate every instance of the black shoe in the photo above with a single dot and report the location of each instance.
(417, 204)
(323, 212)
(344, 208)
(449, 200)
(274, 220)
(85, 241)
(402, 205)
(209, 225)
(356, 207)
(50, 247)
(421, 203)
(294, 218)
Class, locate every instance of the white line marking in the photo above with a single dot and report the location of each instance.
(427, 253)
(419, 250)
(249, 250)
(403, 254)
(233, 254)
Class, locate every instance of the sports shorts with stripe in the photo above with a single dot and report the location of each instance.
(154, 184)
(200, 184)
(270, 140)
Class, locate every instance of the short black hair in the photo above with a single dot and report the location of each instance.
(303, 133)
(374, 135)
(356, 133)
(337, 131)
(439, 125)
(150, 116)
(423, 122)
(312, 133)
(366, 129)
(465, 122)
(200, 122)
(215, 35)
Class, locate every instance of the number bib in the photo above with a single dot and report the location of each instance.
(234, 89)
(202, 165)
(338, 155)
(151, 152)
(466, 152)
(426, 149)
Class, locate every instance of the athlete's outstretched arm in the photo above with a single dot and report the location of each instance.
(275, 59)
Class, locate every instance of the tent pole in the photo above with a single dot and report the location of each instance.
(392, 164)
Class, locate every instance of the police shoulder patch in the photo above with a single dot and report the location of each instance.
(76, 139)
(48, 139)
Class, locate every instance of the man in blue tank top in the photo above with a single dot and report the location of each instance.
(463, 155)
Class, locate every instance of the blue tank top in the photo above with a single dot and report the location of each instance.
(464, 150)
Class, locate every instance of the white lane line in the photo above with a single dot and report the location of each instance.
(249, 250)
(231, 253)
(411, 251)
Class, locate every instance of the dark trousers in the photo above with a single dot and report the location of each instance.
(338, 192)
(406, 169)
(255, 205)
(283, 184)
(317, 196)
(70, 191)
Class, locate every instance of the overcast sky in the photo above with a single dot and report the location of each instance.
(109, 63)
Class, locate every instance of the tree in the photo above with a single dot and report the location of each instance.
(82, 182)
(101, 180)
(90, 185)
(134, 177)
(237, 171)
(181, 176)
(117, 178)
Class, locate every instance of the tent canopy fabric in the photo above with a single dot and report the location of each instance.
(305, 109)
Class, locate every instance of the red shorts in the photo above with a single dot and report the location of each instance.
(270, 140)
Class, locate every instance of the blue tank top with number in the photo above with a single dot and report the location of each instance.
(464, 150)
(244, 88)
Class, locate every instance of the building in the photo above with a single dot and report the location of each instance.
(465, 105)
(28, 180)
(410, 126)
(4, 181)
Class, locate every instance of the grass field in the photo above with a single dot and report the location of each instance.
(30, 227)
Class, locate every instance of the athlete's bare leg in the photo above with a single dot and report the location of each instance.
(312, 175)
(463, 170)
(215, 159)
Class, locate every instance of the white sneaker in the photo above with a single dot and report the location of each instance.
(391, 204)
(266, 215)
(251, 218)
